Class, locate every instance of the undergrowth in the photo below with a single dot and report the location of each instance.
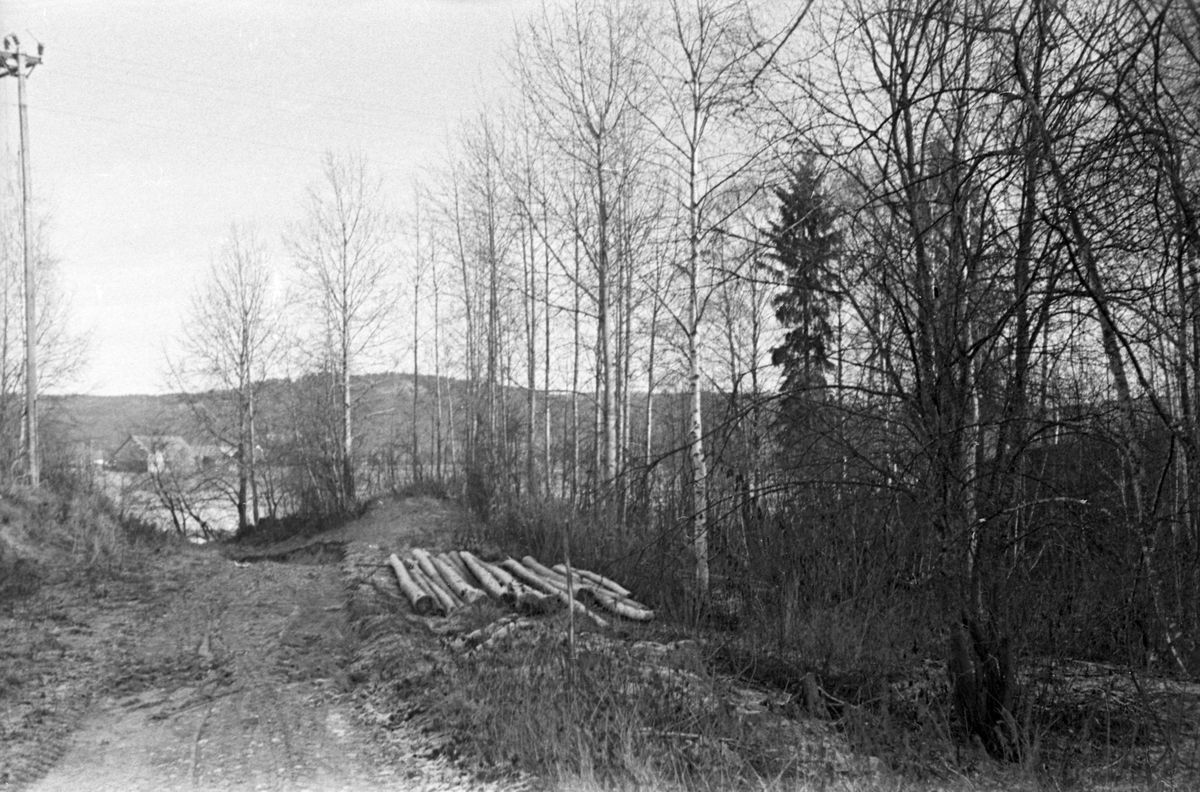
(785, 608)
(620, 542)
(603, 716)
(45, 534)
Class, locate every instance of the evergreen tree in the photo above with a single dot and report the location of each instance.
(803, 243)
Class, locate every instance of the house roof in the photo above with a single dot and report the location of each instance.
(148, 444)
(160, 442)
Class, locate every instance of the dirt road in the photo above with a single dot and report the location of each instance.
(232, 675)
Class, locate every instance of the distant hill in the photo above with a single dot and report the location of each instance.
(104, 422)
(384, 412)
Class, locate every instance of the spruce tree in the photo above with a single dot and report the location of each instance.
(803, 244)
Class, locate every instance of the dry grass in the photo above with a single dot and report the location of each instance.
(529, 706)
(596, 720)
(45, 535)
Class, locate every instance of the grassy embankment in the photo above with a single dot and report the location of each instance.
(46, 537)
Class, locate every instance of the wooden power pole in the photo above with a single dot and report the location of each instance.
(19, 64)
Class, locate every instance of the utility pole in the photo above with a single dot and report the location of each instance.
(20, 64)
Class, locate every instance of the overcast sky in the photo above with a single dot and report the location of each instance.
(155, 124)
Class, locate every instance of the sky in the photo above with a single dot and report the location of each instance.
(156, 124)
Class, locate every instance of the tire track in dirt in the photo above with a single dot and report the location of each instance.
(236, 683)
(237, 680)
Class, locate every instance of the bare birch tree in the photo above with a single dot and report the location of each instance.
(702, 84)
(581, 71)
(231, 341)
(342, 248)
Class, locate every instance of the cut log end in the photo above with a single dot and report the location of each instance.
(422, 603)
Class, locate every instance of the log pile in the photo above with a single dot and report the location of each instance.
(440, 583)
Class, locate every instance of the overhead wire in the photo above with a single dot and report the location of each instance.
(165, 80)
(224, 101)
(207, 135)
(175, 130)
(156, 70)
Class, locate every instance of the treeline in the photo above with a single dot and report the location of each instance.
(791, 309)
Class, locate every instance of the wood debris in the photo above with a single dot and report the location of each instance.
(443, 582)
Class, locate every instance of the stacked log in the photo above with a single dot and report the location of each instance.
(486, 579)
(422, 602)
(454, 557)
(449, 575)
(447, 581)
(552, 588)
(445, 599)
(524, 599)
(599, 580)
(596, 590)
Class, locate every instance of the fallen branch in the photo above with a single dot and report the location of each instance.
(489, 635)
